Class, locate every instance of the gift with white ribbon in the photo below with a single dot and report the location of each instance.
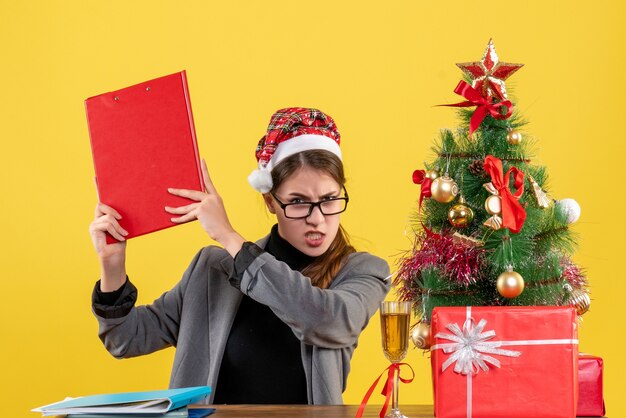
(473, 347)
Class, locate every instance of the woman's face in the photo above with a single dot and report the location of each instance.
(314, 234)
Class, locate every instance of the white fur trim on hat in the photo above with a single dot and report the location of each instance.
(303, 143)
(261, 179)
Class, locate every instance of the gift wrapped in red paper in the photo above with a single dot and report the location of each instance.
(508, 362)
(590, 400)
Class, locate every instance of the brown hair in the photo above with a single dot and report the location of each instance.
(324, 268)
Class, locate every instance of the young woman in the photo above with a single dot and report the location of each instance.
(274, 321)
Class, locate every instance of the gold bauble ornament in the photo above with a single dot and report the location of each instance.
(431, 174)
(510, 284)
(444, 189)
(514, 137)
(420, 335)
(460, 215)
(493, 205)
(580, 300)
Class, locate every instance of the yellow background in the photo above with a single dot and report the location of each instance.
(377, 67)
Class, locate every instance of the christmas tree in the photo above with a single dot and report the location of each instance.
(486, 230)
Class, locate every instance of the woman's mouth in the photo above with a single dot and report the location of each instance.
(314, 239)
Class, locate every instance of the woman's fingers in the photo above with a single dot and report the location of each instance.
(101, 228)
(188, 212)
(185, 218)
(189, 194)
(109, 223)
(102, 209)
(111, 220)
(195, 194)
(208, 184)
(181, 210)
(114, 233)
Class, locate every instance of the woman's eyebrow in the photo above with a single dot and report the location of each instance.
(297, 194)
(306, 196)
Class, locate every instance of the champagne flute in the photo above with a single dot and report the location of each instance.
(394, 326)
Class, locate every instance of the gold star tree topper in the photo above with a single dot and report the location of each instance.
(489, 73)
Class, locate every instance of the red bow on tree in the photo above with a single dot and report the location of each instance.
(419, 177)
(513, 213)
(483, 105)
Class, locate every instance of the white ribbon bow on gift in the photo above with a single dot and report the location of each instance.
(471, 348)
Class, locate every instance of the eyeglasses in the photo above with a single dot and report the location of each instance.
(301, 210)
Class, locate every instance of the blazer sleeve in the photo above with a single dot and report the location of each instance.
(329, 318)
(144, 329)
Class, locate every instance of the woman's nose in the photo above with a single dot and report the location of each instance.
(316, 217)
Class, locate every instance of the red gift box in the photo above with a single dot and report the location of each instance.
(505, 362)
(590, 401)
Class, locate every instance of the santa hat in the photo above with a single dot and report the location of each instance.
(292, 130)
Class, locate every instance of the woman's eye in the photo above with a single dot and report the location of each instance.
(296, 201)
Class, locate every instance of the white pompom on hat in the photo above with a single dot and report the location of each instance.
(290, 131)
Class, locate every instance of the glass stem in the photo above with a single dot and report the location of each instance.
(394, 406)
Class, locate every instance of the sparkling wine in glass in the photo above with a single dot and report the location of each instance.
(394, 327)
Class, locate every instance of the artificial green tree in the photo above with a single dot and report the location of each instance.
(485, 236)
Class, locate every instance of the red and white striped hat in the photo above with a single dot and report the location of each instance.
(292, 130)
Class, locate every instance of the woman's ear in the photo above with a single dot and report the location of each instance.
(269, 202)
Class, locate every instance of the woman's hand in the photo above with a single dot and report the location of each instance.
(209, 209)
(112, 256)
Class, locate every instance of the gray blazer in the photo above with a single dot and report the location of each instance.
(197, 314)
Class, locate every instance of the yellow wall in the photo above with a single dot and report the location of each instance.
(377, 67)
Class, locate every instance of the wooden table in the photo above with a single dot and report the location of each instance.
(297, 411)
(326, 411)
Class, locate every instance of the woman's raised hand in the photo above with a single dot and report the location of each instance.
(209, 209)
(112, 256)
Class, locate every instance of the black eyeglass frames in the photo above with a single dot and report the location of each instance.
(301, 210)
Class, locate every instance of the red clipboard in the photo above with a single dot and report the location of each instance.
(143, 141)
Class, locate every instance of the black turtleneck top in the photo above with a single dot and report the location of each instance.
(262, 363)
